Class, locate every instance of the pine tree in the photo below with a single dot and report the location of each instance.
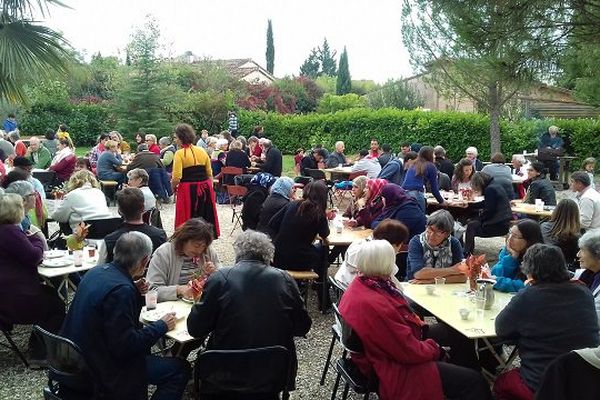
(270, 54)
(327, 58)
(344, 81)
(311, 65)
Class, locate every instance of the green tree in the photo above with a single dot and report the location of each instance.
(270, 54)
(28, 51)
(344, 82)
(327, 59)
(397, 94)
(312, 65)
(486, 49)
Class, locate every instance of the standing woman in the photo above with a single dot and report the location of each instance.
(192, 180)
(463, 172)
(563, 230)
(422, 170)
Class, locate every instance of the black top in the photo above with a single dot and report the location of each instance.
(273, 162)
(145, 160)
(496, 206)
(540, 188)
(547, 320)
(235, 158)
(335, 159)
(294, 239)
(570, 377)
(270, 207)
(446, 166)
(158, 237)
(308, 162)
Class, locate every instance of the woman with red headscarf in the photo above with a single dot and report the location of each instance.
(372, 204)
(192, 180)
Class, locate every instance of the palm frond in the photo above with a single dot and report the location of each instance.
(27, 9)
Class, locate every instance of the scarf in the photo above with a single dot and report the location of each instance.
(263, 179)
(436, 257)
(375, 187)
(592, 356)
(283, 187)
(61, 155)
(394, 196)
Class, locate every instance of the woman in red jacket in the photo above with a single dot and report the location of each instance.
(408, 366)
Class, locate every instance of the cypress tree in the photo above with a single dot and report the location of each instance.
(344, 81)
(270, 54)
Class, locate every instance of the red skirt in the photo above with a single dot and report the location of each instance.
(196, 200)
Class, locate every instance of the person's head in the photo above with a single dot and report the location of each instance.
(439, 152)
(11, 116)
(518, 160)
(204, 134)
(363, 153)
(425, 157)
(589, 164)
(405, 148)
(314, 201)
(80, 179)
(103, 138)
(131, 203)
(471, 153)
(63, 144)
(14, 136)
(63, 128)
(185, 134)
(34, 143)
(392, 230)
(319, 154)
(252, 141)
(116, 136)
(409, 159)
(358, 186)
(567, 223)
(236, 145)
(139, 138)
(536, 170)
(164, 141)
(374, 144)
(545, 263)
(23, 163)
(211, 142)
(192, 238)
(137, 178)
(386, 148)
(589, 251)
(283, 186)
(111, 146)
(132, 252)
(253, 246)
(464, 170)
(440, 225)
(151, 139)
(498, 158)
(480, 181)
(553, 130)
(26, 191)
(50, 134)
(393, 195)
(580, 181)
(523, 235)
(340, 146)
(376, 259)
(258, 131)
(265, 144)
(15, 175)
(142, 147)
(222, 144)
(243, 141)
(11, 209)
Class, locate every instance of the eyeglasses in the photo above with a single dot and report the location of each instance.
(514, 235)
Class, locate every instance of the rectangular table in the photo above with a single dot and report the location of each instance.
(341, 171)
(529, 209)
(63, 272)
(182, 310)
(347, 236)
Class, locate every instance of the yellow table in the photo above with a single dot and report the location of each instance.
(347, 236)
(343, 171)
(182, 310)
(529, 209)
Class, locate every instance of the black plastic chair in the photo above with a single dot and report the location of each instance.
(346, 369)
(69, 374)
(152, 217)
(336, 333)
(260, 373)
(6, 327)
(99, 228)
(46, 178)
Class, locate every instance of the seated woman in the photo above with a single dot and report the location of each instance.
(372, 206)
(236, 157)
(63, 163)
(408, 366)
(84, 201)
(138, 178)
(398, 205)
(187, 256)
(282, 191)
(563, 230)
(435, 252)
(29, 196)
(539, 187)
(122, 145)
(463, 172)
(108, 161)
(83, 163)
(494, 219)
(550, 317)
(23, 299)
(507, 271)
(296, 227)
(359, 197)
(589, 257)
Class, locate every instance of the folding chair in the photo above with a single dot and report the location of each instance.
(338, 289)
(226, 177)
(242, 374)
(236, 193)
(152, 217)
(339, 193)
(6, 328)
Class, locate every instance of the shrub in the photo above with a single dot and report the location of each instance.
(330, 103)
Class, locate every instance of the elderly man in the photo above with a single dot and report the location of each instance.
(273, 163)
(103, 320)
(442, 163)
(145, 159)
(551, 146)
(520, 165)
(251, 304)
(588, 200)
(471, 153)
(151, 142)
(38, 154)
(26, 166)
(167, 152)
(337, 157)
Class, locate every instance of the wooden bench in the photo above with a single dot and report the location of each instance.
(109, 188)
(304, 280)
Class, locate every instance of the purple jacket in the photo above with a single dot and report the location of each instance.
(20, 256)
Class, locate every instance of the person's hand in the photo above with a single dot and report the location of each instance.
(444, 354)
(209, 267)
(142, 285)
(185, 291)
(170, 320)
(351, 223)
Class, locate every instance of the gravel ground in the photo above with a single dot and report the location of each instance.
(17, 382)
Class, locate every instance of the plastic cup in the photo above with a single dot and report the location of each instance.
(91, 252)
(539, 205)
(440, 280)
(430, 290)
(151, 299)
(464, 314)
(78, 258)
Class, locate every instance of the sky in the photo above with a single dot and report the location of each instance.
(370, 30)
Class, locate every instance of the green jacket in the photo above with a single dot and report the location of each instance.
(41, 158)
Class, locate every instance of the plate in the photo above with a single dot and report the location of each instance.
(55, 253)
(57, 263)
(156, 314)
(189, 301)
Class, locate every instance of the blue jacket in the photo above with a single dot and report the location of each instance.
(415, 255)
(103, 320)
(106, 164)
(505, 271)
(159, 183)
(409, 213)
(412, 181)
(392, 171)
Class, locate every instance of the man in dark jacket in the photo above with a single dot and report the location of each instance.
(273, 163)
(442, 163)
(103, 321)
(337, 158)
(252, 304)
(312, 160)
(145, 159)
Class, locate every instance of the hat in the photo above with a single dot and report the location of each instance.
(22, 162)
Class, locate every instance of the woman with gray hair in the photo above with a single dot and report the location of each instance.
(589, 259)
(282, 192)
(550, 317)
(435, 252)
(32, 207)
(138, 178)
(167, 152)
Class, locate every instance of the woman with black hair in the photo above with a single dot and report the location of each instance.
(539, 187)
(421, 171)
(507, 271)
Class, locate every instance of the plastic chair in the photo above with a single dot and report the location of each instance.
(338, 289)
(6, 327)
(236, 193)
(152, 217)
(70, 376)
(99, 228)
(46, 178)
(259, 373)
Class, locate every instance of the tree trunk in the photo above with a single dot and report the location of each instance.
(495, 110)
